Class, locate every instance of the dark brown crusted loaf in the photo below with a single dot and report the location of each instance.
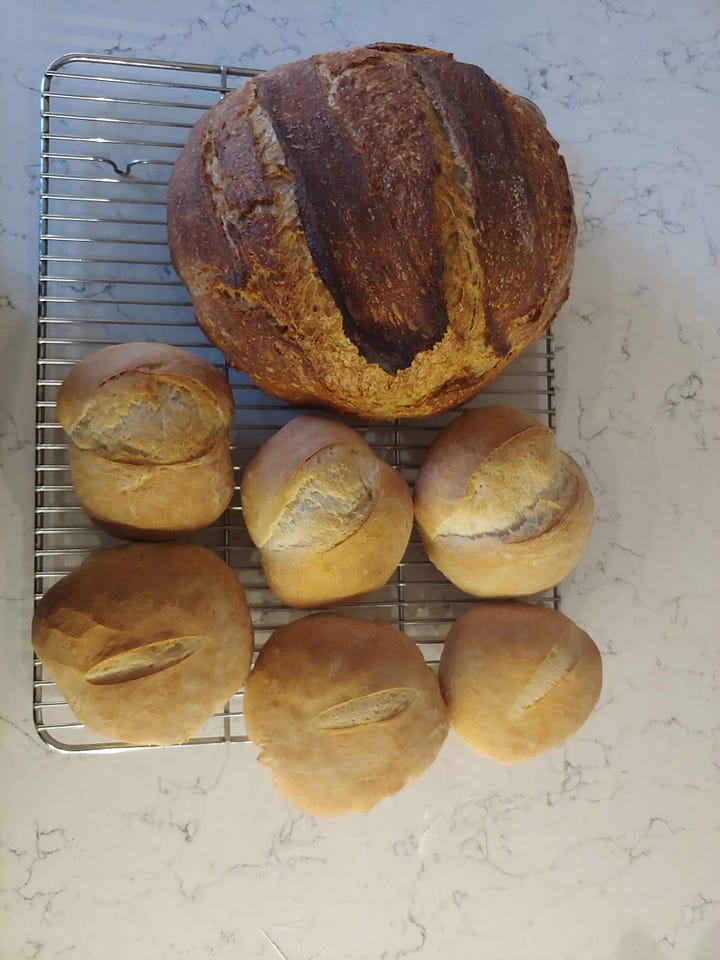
(377, 231)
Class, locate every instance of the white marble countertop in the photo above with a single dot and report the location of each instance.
(606, 848)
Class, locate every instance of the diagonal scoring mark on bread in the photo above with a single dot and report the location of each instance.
(372, 708)
(330, 498)
(272, 212)
(454, 221)
(514, 503)
(271, 201)
(145, 660)
(147, 418)
(375, 281)
(556, 665)
(505, 203)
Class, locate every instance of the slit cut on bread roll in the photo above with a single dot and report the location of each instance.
(344, 712)
(330, 519)
(146, 641)
(376, 231)
(501, 511)
(148, 426)
(518, 679)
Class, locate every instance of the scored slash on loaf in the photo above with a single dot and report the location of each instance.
(518, 679)
(377, 231)
(146, 641)
(330, 519)
(344, 712)
(502, 512)
(149, 447)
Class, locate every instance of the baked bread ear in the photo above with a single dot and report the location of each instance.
(518, 679)
(378, 231)
(343, 711)
(146, 641)
(149, 453)
(330, 519)
(501, 511)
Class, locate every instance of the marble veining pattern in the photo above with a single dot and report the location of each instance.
(605, 849)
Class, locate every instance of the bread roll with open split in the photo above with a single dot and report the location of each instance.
(146, 641)
(501, 511)
(149, 446)
(518, 679)
(330, 519)
(343, 711)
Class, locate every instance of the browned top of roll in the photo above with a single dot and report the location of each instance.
(518, 678)
(343, 711)
(146, 641)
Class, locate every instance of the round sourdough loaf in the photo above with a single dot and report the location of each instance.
(146, 641)
(343, 711)
(330, 519)
(518, 679)
(149, 444)
(501, 511)
(377, 231)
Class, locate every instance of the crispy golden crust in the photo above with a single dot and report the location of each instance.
(377, 231)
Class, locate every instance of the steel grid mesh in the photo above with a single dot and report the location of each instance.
(111, 130)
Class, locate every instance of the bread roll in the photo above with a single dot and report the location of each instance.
(344, 712)
(149, 446)
(330, 519)
(377, 231)
(501, 511)
(146, 641)
(518, 679)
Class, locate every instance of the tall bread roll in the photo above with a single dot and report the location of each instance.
(149, 446)
(518, 679)
(330, 519)
(501, 511)
(146, 641)
(377, 231)
(344, 712)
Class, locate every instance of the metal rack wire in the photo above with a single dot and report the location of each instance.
(111, 130)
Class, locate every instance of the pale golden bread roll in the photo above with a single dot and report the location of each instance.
(330, 519)
(146, 641)
(518, 679)
(148, 426)
(343, 711)
(377, 231)
(501, 511)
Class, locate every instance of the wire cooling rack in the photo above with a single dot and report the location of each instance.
(111, 130)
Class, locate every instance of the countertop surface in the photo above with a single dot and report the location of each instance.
(607, 848)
